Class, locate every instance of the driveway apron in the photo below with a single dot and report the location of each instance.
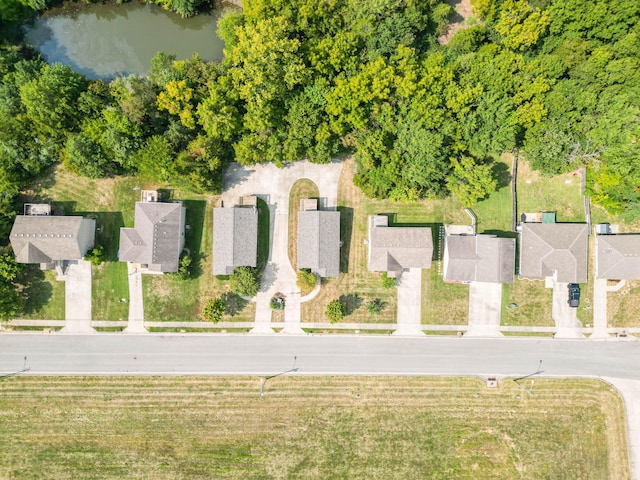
(77, 297)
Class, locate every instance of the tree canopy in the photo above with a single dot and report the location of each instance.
(557, 79)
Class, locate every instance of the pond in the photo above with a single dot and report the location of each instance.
(105, 41)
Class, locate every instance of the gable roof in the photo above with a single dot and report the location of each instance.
(46, 239)
(235, 239)
(319, 242)
(546, 248)
(479, 258)
(618, 257)
(392, 249)
(157, 238)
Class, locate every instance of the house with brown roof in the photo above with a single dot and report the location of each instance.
(318, 239)
(235, 236)
(554, 250)
(157, 240)
(49, 240)
(618, 257)
(479, 258)
(392, 249)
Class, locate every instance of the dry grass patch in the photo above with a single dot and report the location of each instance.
(623, 306)
(309, 427)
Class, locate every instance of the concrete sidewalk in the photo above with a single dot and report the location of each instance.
(630, 391)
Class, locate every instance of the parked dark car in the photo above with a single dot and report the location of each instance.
(574, 295)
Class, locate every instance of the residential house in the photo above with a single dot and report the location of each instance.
(478, 258)
(235, 236)
(618, 257)
(318, 239)
(157, 240)
(549, 249)
(392, 249)
(48, 240)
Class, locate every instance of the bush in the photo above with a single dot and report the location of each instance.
(335, 311)
(213, 310)
(387, 281)
(277, 302)
(245, 281)
(184, 269)
(306, 279)
(375, 306)
(95, 255)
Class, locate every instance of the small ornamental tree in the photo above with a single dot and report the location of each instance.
(245, 282)
(375, 306)
(213, 310)
(95, 255)
(277, 302)
(335, 311)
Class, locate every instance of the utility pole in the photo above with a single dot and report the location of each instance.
(529, 391)
(263, 380)
(15, 374)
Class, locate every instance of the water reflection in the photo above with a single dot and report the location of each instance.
(104, 41)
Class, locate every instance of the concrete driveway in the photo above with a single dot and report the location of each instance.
(273, 185)
(599, 309)
(136, 302)
(77, 297)
(485, 305)
(563, 315)
(409, 302)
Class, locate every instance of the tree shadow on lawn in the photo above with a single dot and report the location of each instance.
(37, 291)
(346, 230)
(351, 303)
(502, 174)
(108, 226)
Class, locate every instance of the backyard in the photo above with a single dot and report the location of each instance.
(367, 427)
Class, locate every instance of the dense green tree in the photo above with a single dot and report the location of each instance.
(470, 181)
(335, 311)
(213, 310)
(245, 281)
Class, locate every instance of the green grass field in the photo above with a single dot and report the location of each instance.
(309, 427)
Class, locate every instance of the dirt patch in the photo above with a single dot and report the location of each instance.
(460, 19)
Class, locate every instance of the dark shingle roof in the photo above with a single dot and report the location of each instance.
(618, 257)
(319, 242)
(158, 237)
(45, 239)
(393, 248)
(479, 258)
(235, 239)
(561, 247)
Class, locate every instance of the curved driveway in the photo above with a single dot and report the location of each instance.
(273, 185)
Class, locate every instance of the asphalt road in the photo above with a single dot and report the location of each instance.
(353, 355)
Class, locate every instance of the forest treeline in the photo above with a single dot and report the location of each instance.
(557, 79)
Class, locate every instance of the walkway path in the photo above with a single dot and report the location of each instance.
(274, 184)
(630, 390)
(409, 302)
(136, 302)
(77, 297)
(485, 305)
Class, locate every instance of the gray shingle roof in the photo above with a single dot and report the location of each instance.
(479, 258)
(319, 242)
(46, 239)
(618, 257)
(393, 248)
(235, 239)
(549, 247)
(158, 237)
